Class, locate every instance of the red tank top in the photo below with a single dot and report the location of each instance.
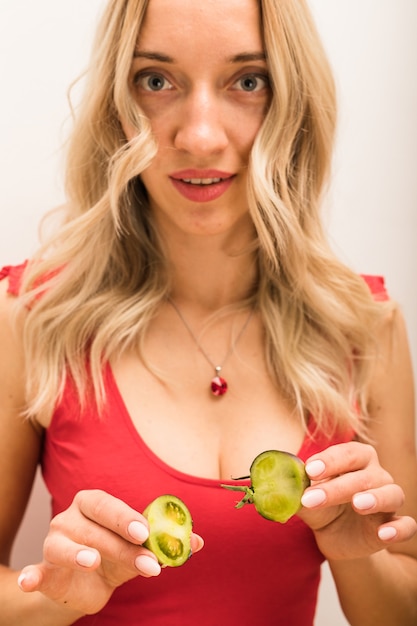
(251, 571)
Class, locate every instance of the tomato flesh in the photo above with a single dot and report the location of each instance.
(170, 527)
(278, 480)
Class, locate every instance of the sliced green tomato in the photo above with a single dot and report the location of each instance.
(170, 527)
(278, 480)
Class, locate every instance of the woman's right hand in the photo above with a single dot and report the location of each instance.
(91, 549)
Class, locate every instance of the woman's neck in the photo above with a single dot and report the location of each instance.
(212, 272)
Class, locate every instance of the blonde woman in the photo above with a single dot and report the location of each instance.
(190, 315)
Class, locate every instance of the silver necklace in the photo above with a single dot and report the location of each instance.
(218, 384)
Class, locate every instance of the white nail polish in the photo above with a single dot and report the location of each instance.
(313, 498)
(315, 468)
(138, 531)
(147, 565)
(364, 501)
(386, 533)
(86, 558)
(20, 580)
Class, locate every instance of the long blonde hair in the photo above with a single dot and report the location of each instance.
(103, 275)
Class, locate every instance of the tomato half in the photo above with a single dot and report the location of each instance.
(170, 527)
(278, 480)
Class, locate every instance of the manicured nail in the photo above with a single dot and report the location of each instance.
(21, 580)
(86, 558)
(313, 498)
(138, 531)
(27, 579)
(386, 533)
(315, 468)
(199, 543)
(147, 565)
(364, 501)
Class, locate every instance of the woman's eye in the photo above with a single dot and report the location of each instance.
(252, 82)
(152, 82)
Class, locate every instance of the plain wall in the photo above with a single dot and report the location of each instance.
(372, 202)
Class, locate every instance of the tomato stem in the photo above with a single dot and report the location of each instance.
(248, 491)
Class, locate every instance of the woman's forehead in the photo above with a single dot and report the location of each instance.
(212, 22)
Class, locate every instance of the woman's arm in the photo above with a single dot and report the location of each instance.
(20, 444)
(366, 524)
(383, 589)
(54, 582)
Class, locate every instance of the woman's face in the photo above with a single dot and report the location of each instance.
(200, 76)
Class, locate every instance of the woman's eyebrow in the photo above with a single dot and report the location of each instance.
(153, 56)
(245, 57)
(242, 57)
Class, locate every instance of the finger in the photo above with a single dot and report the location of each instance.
(340, 472)
(72, 556)
(340, 459)
(342, 489)
(147, 565)
(62, 551)
(30, 578)
(197, 543)
(386, 499)
(122, 559)
(397, 530)
(112, 513)
(95, 506)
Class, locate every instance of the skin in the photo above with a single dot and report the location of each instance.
(199, 109)
(203, 121)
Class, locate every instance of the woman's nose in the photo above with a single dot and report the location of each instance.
(201, 126)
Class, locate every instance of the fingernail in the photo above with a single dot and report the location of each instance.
(313, 498)
(21, 579)
(138, 531)
(315, 468)
(386, 533)
(27, 577)
(86, 558)
(147, 565)
(364, 501)
(199, 543)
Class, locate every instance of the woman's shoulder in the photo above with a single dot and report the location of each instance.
(11, 315)
(11, 346)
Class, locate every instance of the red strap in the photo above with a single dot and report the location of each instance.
(14, 273)
(376, 285)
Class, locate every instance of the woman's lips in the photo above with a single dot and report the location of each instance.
(201, 185)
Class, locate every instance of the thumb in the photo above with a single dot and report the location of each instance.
(197, 543)
(30, 578)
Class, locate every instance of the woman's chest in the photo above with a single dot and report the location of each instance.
(198, 433)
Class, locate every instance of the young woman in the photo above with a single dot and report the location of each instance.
(190, 315)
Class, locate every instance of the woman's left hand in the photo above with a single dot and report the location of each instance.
(352, 503)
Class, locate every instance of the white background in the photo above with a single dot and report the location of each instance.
(371, 209)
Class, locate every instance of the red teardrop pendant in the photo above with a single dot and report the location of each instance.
(218, 386)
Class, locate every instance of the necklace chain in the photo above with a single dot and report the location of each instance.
(217, 368)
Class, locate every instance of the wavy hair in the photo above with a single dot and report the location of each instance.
(103, 275)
